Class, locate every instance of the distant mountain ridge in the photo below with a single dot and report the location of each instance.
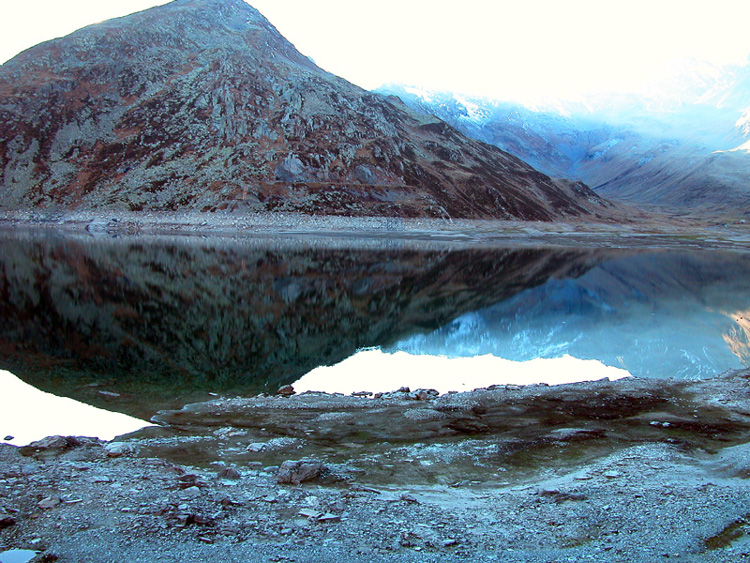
(687, 151)
(203, 105)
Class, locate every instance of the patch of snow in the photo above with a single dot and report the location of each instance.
(743, 123)
(422, 93)
(474, 112)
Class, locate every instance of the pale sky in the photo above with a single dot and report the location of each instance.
(505, 49)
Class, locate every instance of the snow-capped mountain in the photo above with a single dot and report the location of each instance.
(686, 142)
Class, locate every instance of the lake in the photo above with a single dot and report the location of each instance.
(135, 325)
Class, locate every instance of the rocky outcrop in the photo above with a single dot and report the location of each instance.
(203, 105)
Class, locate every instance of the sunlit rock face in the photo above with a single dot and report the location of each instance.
(203, 105)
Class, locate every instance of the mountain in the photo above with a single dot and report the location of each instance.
(203, 105)
(683, 148)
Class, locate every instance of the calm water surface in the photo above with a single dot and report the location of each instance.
(137, 325)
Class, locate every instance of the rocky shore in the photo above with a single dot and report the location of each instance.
(633, 229)
(633, 470)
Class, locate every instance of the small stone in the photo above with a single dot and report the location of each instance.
(450, 542)
(53, 443)
(612, 474)
(329, 517)
(310, 513)
(6, 521)
(363, 489)
(409, 499)
(296, 472)
(286, 391)
(118, 449)
(404, 390)
(229, 473)
(189, 480)
(191, 493)
(49, 502)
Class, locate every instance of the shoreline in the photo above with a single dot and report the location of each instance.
(650, 231)
(628, 471)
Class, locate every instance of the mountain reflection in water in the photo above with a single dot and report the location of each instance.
(657, 314)
(158, 318)
(140, 324)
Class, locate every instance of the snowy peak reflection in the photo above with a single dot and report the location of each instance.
(655, 315)
(379, 372)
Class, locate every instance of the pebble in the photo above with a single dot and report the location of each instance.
(49, 502)
(409, 498)
(191, 493)
(296, 472)
(118, 449)
(229, 473)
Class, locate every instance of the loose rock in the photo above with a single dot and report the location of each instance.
(296, 472)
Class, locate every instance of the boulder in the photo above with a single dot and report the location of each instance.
(296, 472)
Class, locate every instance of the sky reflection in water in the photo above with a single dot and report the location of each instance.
(27, 415)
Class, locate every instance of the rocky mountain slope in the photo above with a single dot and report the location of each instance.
(203, 105)
(687, 151)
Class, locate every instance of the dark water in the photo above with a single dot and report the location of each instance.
(141, 324)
